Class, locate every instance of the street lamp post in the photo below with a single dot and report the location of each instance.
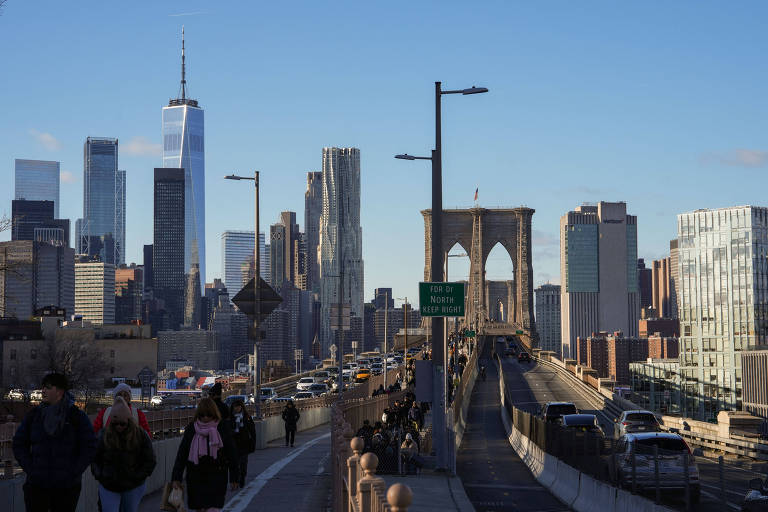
(405, 341)
(256, 293)
(436, 270)
(234, 364)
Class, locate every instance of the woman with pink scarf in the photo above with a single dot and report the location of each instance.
(208, 454)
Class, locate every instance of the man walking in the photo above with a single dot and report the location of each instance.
(291, 418)
(54, 445)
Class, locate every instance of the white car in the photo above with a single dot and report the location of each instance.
(304, 383)
(318, 389)
(36, 395)
(156, 401)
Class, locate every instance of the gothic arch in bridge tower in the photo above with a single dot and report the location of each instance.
(478, 230)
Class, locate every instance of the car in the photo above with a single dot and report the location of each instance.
(156, 401)
(234, 398)
(673, 453)
(321, 376)
(635, 421)
(377, 368)
(268, 393)
(318, 389)
(333, 370)
(304, 383)
(756, 499)
(582, 423)
(303, 395)
(509, 351)
(362, 375)
(283, 399)
(17, 395)
(523, 357)
(552, 411)
(36, 395)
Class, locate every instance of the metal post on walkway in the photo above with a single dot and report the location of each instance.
(687, 476)
(721, 477)
(634, 470)
(656, 472)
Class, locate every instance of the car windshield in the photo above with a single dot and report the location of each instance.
(306, 380)
(645, 417)
(581, 421)
(667, 444)
(561, 409)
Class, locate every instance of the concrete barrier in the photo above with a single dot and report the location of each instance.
(591, 492)
(566, 486)
(272, 428)
(549, 472)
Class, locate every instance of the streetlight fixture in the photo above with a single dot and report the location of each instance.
(439, 348)
(256, 292)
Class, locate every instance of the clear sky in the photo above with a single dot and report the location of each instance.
(659, 104)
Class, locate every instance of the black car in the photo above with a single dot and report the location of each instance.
(523, 357)
(553, 411)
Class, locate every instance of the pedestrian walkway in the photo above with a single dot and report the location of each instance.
(494, 477)
(280, 478)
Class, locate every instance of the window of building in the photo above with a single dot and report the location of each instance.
(13, 354)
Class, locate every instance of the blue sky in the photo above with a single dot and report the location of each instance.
(658, 104)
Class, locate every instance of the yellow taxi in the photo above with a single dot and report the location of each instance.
(362, 375)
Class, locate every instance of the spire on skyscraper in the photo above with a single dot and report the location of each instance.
(182, 99)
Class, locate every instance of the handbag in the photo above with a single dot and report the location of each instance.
(164, 503)
(173, 499)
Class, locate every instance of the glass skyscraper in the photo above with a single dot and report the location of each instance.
(37, 180)
(722, 302)
(236, 250)
(103, 199)
(184, 148)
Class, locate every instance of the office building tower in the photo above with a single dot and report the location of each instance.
(148, 275)
(663, 347)
(662, 288)
(644, 282)
(184, 148)
(201, 348)
(674, 278)
(237, 249)
(382, 298)
(168, 276)
(95, 291)
(231, 328)
(548, 316)
(129, 293)
(722, 303)
(598, 268)
(213, 291)
(754, 364)
(341, 238)
(300, 262)
(313, 209)
(37, 180)
(34, 275)
(192, 299)
(668, 327)
(277, 257)
(34, 220)
(390, 321)
(101, 198)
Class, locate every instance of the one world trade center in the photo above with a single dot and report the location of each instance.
(184, 147)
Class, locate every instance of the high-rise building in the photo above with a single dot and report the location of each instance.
(644, 282)
(394, 320)
(148, 275)
(199, 347)
(548, 316)
(300, 262)
(598, 268)
(95, 291)
(129, 292)
(754, 364)
(34, 275)
(168, 276)
(662, 288)
(313, 209)
(674, 278)
(382, 298)
(184, 148)
(722, 302)
(231, 328)
(237, 249)
(277, 255)
(341, 238)
(34, 220)
(37, 180)
(103, 201)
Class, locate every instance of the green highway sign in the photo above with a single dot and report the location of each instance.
(441, 299)
(518, 332)
(469, 334)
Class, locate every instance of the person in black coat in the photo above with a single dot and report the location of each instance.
(124, 460)
(244, 434)
(54, 445)
(291, 418)
(215, 393)
(207, 453)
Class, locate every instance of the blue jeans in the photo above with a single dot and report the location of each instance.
(127, 501)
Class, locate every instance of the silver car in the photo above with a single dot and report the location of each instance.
(673, 454)
(635, 421)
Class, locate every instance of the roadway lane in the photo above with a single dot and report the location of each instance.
(494, 477)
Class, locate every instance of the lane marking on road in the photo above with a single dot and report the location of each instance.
(241, 500)
(717, 489)
(508, 487)
(321, 466)
(710, 495)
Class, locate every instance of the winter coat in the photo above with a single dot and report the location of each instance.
(245, 440)
(54, 462)
(123, 470)
(291, 417)
(139, 416)
(207, 480)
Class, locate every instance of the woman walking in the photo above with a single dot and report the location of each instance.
(207, 453)
(291, 418)
(124, 460)
(244, 434)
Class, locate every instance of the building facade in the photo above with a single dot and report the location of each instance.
(663, 288)
(197, 346)
(184, 148)
(754, 364)
(655, 385)
(722, 301)
(341, 238)
(168, 276)
(237, 249)
(129, 293)
(37, 180)
(644, 282)
(101, 201)
(34, 220)
(313, 209)
(663, 347)
(548, 316)
(598, 268)
(95, 292)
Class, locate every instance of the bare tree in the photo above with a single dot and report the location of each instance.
(81, 361)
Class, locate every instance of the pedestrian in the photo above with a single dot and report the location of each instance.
(215, 394)
(207, 453)
(54, 445)
(124, 460)
(291, 418)
(414, 414)
(244, 434)
(122, 390)
(408, 450)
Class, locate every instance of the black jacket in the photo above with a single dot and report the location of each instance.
(54, 462)
(122, 470)
(245, 440)
(291, 417)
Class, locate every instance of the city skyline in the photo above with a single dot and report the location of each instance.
(655, 92)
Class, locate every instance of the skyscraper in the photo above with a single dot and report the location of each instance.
(645, 282)
(662, 289)
(723, 274)
(548, 317)
(168, 277)
(236, 250)
(277, 235)
(184, 147)
(598, 269)
(341, 238)
(95, 291)
(103, 199)
(313, 209)
(33, 220)
(37, 180)
(129, 291)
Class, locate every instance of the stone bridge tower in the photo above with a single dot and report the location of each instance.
(477, 231)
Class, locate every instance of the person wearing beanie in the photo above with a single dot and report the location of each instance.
(122, 390)
(124, 460)
(407, 451)
(215, 393)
